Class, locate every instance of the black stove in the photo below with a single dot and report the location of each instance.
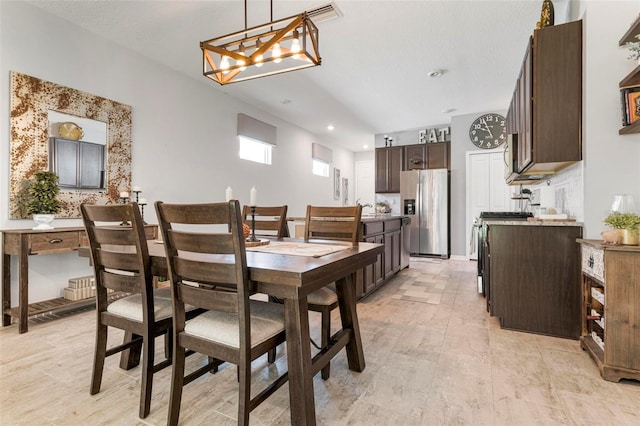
(505, 215)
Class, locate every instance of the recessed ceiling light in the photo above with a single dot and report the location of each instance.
(330, 127)
(365, 146)
(435, 73)
(285, 101)
(448, 110)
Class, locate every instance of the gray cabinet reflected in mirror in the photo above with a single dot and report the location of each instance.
(78, 164)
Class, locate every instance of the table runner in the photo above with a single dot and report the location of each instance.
(299, 249)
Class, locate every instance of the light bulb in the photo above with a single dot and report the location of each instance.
(241, 62)
(295, 45)
(276, 53)
(258, 60)
(224, 65)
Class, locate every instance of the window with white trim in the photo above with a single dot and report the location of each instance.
(320, 168)
(253, 150)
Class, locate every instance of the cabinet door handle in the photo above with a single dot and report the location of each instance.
(590, 262)
(55, 241)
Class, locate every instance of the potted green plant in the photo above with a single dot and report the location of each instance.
(628, 225)
(43, 203)
(634, 48)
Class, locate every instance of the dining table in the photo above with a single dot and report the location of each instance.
(291, 278)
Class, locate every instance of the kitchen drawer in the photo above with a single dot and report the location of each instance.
(371, 228)
(392, 225)
(51, 242)
(593, 262)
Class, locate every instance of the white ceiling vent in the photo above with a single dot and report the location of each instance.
(324, 13)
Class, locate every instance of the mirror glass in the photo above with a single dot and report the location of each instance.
(77, 151)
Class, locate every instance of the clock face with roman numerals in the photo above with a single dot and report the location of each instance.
(488, 131)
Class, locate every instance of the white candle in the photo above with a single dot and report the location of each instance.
(228, 193)
(142, 201)
(137, 189)
(253, 199)
(124, 194)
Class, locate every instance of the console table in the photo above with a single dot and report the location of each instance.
(28, 242)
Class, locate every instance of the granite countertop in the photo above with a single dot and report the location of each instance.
(533, 223)
(365, 218)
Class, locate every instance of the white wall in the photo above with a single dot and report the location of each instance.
(184, 146)
(612, 163)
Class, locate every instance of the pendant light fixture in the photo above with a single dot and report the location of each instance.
(276, 47)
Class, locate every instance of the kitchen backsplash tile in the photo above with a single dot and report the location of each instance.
(569, 191)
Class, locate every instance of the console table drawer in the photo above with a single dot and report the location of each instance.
(593, 261)
(51, 242)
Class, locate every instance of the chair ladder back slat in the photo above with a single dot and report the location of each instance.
(122, 261)
(217, 300)
(206, 272)
(123, 235)
(201, 243)
(119, 282)
(195, 214)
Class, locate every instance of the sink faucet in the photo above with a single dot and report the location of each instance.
(363, 205)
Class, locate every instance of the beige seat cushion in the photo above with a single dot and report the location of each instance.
(323, 296)
(131, 306)
(267, 320)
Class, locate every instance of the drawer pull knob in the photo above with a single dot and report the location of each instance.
(590, 261)
(55, 241)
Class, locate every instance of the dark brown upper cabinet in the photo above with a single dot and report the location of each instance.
(415, 157)
(389, 163)
(438, 155)
(546, 109)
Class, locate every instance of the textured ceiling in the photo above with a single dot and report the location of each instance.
(375, 58)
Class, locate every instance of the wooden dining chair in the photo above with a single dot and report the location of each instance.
(269, 222)
(208, 269)
(121, 263)
(330, 223)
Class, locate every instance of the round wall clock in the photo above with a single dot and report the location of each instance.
(488, 131)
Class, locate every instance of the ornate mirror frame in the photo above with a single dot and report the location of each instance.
(31, 99)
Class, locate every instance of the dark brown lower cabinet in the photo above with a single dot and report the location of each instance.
(535, 278)
(387, 231)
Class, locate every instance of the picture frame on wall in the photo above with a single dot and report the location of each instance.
(336, 183)
(345, 191)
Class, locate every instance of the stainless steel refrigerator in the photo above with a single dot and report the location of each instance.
(424, 196)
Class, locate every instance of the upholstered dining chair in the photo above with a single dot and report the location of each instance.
(121, 263)
(330, 223)
(207, 264)
(269, 222)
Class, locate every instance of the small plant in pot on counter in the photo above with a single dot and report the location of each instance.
(43, 203)
(627, 225)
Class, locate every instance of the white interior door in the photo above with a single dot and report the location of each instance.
(486, 189)
(365, 190)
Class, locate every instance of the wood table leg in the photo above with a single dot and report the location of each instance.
(23, 285)
(6, 287)
(345, 288)
(301, 398)
(130, 358)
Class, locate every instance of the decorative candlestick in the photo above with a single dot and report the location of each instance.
(124, 199)
(142, 203)
(136, 190)
(253, 238)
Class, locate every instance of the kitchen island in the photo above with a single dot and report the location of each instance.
(388, 229)
(533, 270)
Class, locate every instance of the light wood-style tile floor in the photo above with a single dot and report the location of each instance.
(432, 359)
